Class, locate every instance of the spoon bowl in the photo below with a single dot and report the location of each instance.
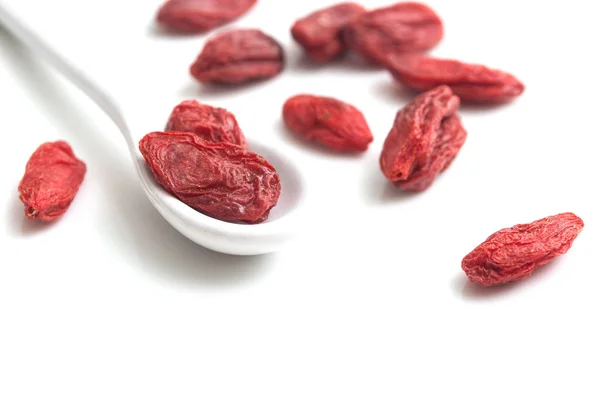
(226, 237)
(231, 238)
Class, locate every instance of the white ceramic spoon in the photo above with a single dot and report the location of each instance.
(230, 238)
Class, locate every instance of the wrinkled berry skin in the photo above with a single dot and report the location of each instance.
(399, 28)
(471, 82)
(221, 180)
(199, 16)
(425, 139)
(512, 254)
(52, 178)
(328, 121)
(320, 33)
(239, 56)
(207, 122)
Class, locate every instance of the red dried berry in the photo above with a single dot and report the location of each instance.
(238, 56)
(425, 139)
(471, 82)
(207, 122)
(399, 28)
(319, 33)
(512, 254)
(52, 178)
(328, 121)
(198, 16)
(221, 180)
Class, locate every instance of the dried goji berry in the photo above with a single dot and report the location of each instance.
(52, 178)
(237, 56)
(220, 179)
(402, 27)
(198, 16)
(319, 33)
(512, 254)
(209, 123)
(471, 82)
(426, 137)
(328, 121)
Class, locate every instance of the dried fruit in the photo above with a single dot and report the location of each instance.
(399, 28)
(320, 32)
(207, 122)
(512, 254)
(221, 180)
(238, 56)
(52, 178)
(198, 16)
(426, 137)
(471, 82)
(328, 121)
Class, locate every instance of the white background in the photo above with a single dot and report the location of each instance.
(112, 302)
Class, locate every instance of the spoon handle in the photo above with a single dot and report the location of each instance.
(74, 74)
